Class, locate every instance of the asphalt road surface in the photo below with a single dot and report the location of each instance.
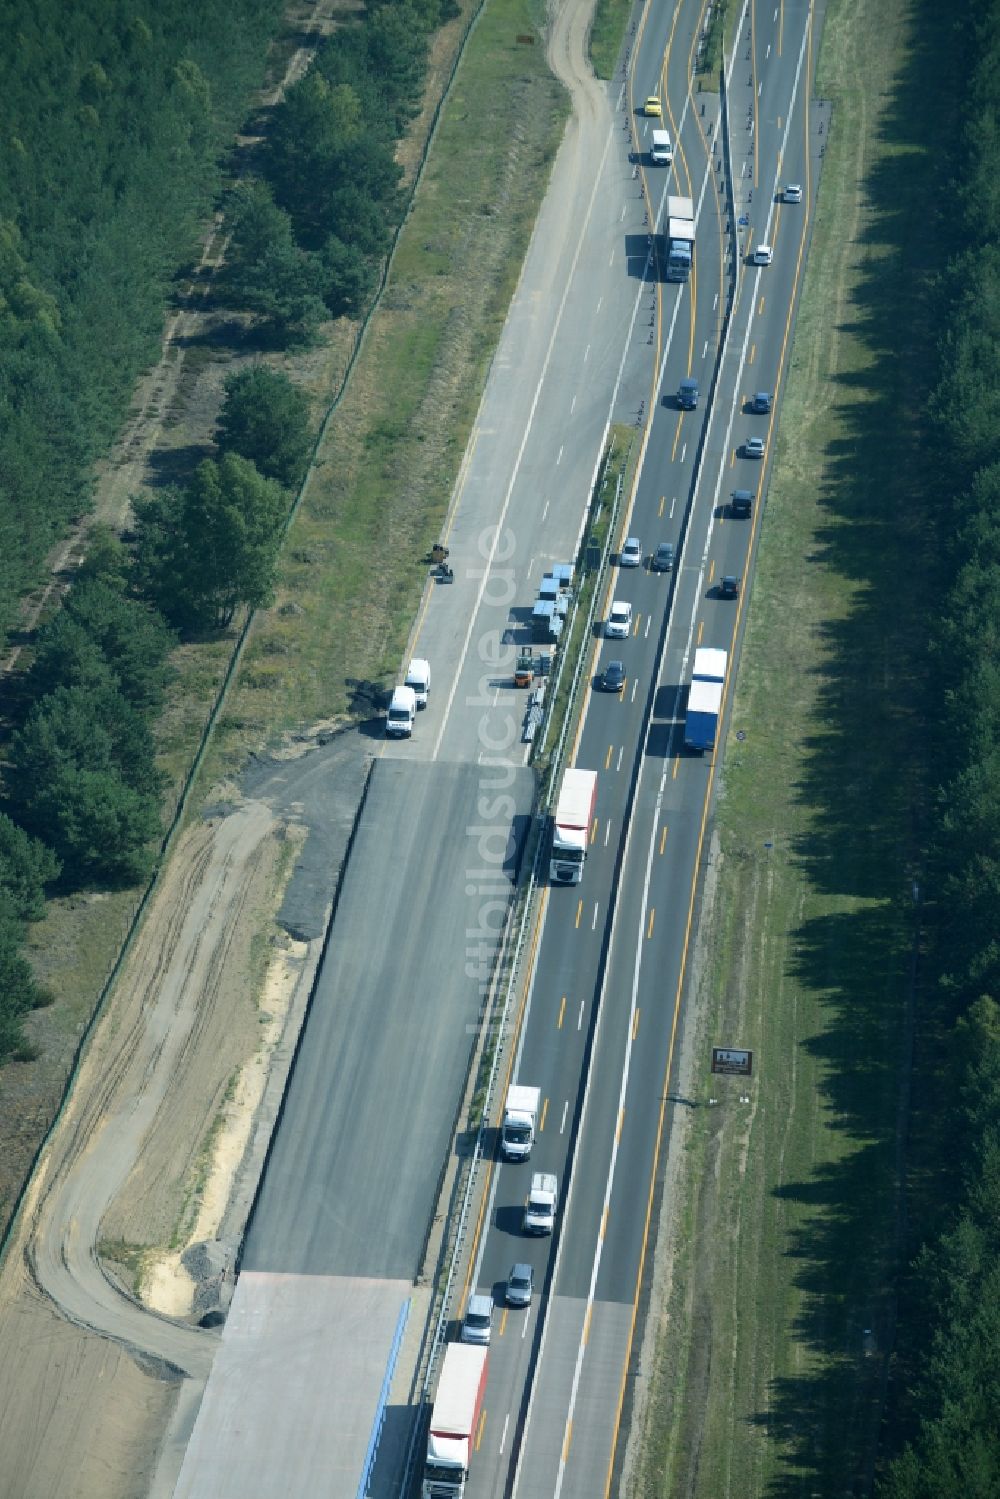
(610, 969)
(385, 1050)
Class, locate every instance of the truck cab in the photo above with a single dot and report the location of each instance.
(519, 1122)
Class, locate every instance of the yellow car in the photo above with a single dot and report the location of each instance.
(652, 107)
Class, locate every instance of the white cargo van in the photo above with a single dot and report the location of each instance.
(419, 678)
(402, 712)
(662, 150)
(540, 1209)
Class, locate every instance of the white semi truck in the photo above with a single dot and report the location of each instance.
(520, 1121)
(452, 1435)
(571, 826)
(704, 705)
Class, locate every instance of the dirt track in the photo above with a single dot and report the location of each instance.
(178, 1023)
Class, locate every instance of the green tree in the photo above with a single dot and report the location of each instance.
(82, 778)
(19, 992)
(99, 631)
(360, 220)
(268, 273)
(103, 828)
(309, 132)
(92, 727)
(208, 550)
(26, 867)
(107, 558)
(346, 278)
(265, 418)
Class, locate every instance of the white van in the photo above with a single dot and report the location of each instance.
(419, 678)
(402, 712)
(661, 151)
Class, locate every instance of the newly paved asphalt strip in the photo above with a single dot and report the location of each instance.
(384, 1053)
(341, 1219)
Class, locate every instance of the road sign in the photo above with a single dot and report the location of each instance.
(731, 1061)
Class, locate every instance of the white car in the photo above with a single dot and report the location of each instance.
(753, 447)
(619, 621)
(631, 553)
(763, 255)
(792, 193)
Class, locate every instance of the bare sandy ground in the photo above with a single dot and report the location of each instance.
(182, 1019)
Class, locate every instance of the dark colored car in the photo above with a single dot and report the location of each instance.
(741, 504)
(687, 395)
(612, 679)
(729, 587)
(663, 558)
(761, 402)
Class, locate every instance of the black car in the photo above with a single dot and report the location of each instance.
(741, 503)
(612, 679)
(729, 587)
(761, 402)
(687, 395)
(662, 560)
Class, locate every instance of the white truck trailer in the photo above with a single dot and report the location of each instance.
(571, 826)
(452, 1435)
(680, 238)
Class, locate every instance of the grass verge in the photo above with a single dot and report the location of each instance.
(354, 566)
(771, 1352)
(721, 23)
(606, 34)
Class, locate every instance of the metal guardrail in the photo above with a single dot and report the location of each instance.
(559, 751)
(437, 1339)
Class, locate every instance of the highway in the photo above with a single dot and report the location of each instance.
(343, 1217)
(605, 1008)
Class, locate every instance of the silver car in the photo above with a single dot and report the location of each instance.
(631, 554)
(478, 1324)
(520, 1283)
